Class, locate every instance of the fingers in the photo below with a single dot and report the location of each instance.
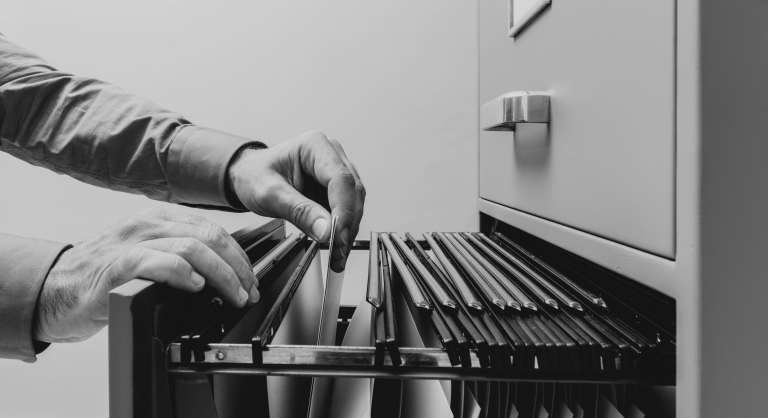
(179, 225)
(281, 198)
(218, 240)
(216, 272)
(284, 180)
(162, 267)
(184, 251)
(181, 217)
(359, 195)
(326, 161)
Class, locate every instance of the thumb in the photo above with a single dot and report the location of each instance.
(311, 218)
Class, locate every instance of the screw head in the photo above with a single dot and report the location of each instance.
(220, 355)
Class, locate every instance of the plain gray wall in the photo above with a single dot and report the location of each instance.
(394, 81)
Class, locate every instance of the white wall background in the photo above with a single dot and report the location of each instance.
(394, 81)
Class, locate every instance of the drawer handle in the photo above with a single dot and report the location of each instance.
(507, 110)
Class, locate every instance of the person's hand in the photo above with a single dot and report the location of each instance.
(301, 180)
(186, 252)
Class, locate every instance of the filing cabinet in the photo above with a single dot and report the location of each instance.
(653, 163)
(630, 151)
(605, 162)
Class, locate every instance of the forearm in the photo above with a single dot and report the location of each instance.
(99, 134)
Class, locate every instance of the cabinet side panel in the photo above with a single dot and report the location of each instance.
(734, 205)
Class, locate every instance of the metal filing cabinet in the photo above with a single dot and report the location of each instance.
(605, 163)
(653, 163)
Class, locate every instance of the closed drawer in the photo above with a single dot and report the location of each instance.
(605, 163)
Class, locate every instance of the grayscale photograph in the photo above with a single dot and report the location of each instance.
(399, 209)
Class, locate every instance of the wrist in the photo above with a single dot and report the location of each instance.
(54, 301)
(236, 166)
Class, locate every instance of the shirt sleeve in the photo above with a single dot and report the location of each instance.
(24, 265)
(104, 136)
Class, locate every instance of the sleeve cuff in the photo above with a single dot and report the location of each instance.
(24, 265)
(198, 160)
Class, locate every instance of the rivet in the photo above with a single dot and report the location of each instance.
(220, 355)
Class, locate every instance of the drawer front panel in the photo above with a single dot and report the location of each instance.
(605, 162)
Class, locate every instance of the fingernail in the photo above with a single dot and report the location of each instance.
(319, 227)
(243, 296)
(255, 295)
(344, 237)
(197, 280)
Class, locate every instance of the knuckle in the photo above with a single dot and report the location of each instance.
(134, 256)
(153, 213)
(200, 220)
(148, 212)
(300, 212)
(178, 265)
(347, 178)
(314, 139)
(130, 223)
(247, 280)
(270, 191)
(138, 226)
(242, 268)
(218, 228)
(125, 231)
(360, 189)
(187, 246)
(129, 261)
(213, 237)
(213, 269)
(348, 214)
(315, 135)
(247, 269)
(354, 169)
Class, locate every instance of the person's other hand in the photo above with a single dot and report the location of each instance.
(186, 252)
(302, 180)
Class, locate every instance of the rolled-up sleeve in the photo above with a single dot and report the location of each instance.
(24, 265)
(102, 135)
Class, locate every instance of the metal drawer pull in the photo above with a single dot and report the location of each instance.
(507, 110)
